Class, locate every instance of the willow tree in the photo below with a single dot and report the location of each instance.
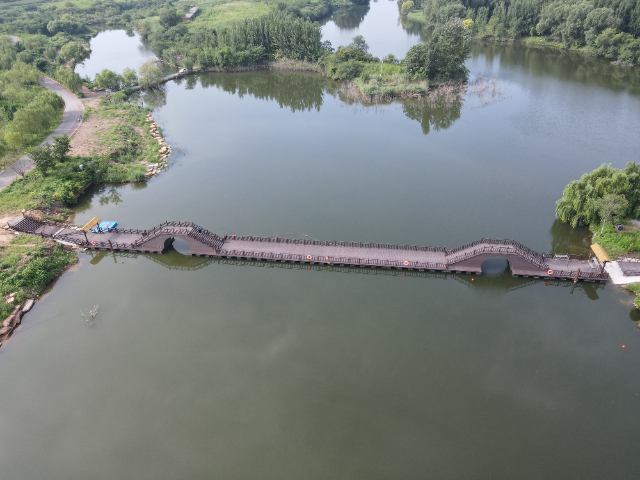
(582, 198)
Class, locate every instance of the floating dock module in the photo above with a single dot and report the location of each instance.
(104, 227)
(92, 223)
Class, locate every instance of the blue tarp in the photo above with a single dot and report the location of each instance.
(104, 227)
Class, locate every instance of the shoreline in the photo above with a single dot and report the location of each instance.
(51, 249)
(164, 150)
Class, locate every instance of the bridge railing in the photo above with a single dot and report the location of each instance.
(332, 243)
(333, 260)
(503, 248)
(567, 256)
(494, 241)
(581, 275)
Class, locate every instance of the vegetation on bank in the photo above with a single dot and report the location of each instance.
(50, 55)
(635, 289)
(59, 179)
(605, 28)
(601, 198)
(28, 112)
(120, 136)
(28, 263)
(285, 33)
(439, 60)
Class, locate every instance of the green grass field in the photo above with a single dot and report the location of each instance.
(219, 12)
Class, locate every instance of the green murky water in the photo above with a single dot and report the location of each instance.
(199, 368)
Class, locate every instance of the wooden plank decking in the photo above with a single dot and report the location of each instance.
(466, 259)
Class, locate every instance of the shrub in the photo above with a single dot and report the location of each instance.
(137, 174)
(348, 70)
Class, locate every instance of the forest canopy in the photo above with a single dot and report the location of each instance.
(607, 28)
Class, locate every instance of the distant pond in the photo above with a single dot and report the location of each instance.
(114, 50)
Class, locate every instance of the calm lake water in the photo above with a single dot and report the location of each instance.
(114, 50)
(197, 368)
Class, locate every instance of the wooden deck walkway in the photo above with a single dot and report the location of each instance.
(465, 259)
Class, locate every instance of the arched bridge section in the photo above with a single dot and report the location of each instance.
(465, 259)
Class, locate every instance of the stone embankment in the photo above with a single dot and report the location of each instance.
(13, 320)
(163, 152)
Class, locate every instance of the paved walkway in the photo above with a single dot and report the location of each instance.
(71, 120)
(616, 275)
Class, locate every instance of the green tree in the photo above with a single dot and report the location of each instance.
(169, 17)
(609, 207)
(108, 79)
(187, 63)
(357, 50)
(65, 24)
(439, 12)
(144, 28)
(579, 202)
(73, 50)
(42, 158)
(50, 52)
(35, 119)
(20, 74)
(149, 73)
(442, 57)
(69, 78)
(407, 7)
(129, 77)
(7, 53)
(61, 148)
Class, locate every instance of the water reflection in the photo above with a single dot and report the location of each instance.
(151, 98)
(112, 196)
(297, 91)
(565, 239)
(349, 18)
(558, 63)
(301, 91)
(438, 112)
(498, 282)
(414, 28)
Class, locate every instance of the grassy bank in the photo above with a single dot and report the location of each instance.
(114, 145)
(27, 265)
(620, 244)
(118, 132)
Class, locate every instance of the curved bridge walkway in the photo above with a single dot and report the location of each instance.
(465, 259)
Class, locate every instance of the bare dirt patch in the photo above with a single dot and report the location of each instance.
(87, 140)
(5, 235)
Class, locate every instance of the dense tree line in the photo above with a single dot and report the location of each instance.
(243, 42)
(72, 19)
(27, 112)
(608, 28)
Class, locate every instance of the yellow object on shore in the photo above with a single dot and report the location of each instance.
(92, 223)
(601, 255)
